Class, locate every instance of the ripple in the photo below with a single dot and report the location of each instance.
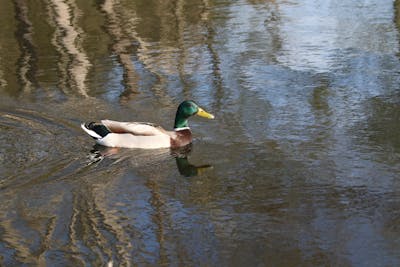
(30, 140)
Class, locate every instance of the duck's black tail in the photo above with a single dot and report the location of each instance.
(95, 129)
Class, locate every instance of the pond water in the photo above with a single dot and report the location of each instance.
(299, 168)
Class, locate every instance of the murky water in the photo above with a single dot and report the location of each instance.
(300, 168)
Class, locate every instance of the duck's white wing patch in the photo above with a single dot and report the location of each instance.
(136, 128)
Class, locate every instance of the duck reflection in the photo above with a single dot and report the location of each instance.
(185, 168)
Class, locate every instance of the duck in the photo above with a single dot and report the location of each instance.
(146, 135)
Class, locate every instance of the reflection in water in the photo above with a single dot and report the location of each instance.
(73, 64)
(3, 82)
(305, 152)
(122, 29)
(26, 64)
(185, 168)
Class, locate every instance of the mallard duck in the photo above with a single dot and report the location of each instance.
(146, 135)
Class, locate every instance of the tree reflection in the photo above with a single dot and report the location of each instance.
(27, 62)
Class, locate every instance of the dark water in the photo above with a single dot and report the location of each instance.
(299, 168)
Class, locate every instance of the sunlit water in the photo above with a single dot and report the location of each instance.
(299, 168)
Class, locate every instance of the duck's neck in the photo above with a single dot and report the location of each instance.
(181, 122)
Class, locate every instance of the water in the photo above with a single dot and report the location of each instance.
(300, 166)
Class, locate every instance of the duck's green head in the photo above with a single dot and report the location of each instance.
(185, 110)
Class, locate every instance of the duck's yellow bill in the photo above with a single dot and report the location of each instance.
(203, 113)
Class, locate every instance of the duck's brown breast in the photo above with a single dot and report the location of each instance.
(181, 138)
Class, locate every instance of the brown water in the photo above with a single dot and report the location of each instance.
(299, 168)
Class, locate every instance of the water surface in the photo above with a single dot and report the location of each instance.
(300, 166)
